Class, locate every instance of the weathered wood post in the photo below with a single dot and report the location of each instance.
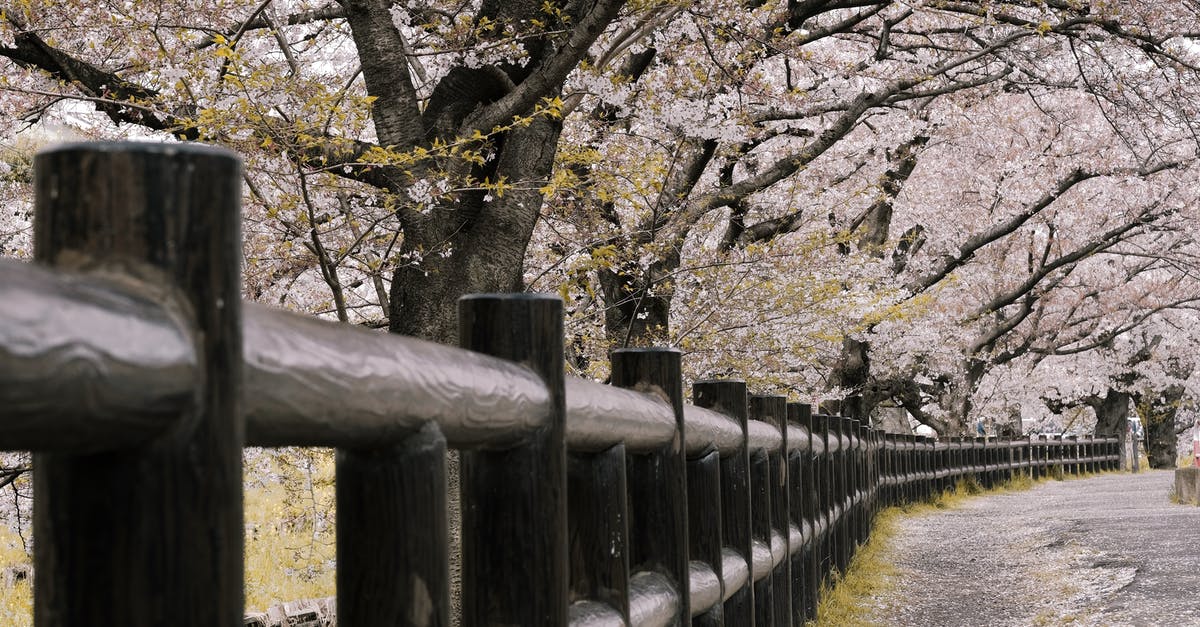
(805, 573)
(1059, 448)
(997, 459)
(1036, 456)
(657, 486)
(729, 398)
(773, 607)
(881, 469)
(825, 491)
(760, 522)
(599, 535)
(1030, 456)
(991, 461)
(896, 467)
(853, 475)
(838, 479)
(926, 448)
(1047, 456)
(704, 522)
(991, 450)
(519, 494)
(982, 463)
(151, 532)
(940, 463)
(910, 467)
(917, 468)
(950, 459)
(890, 465)
(392, 541)
(868, 484)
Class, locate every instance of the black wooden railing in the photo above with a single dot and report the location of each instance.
(132, 369)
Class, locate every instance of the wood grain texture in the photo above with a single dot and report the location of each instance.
(88, 365)
(599, 528)
(657, 481)
(153, 534)
(704, 525)
(514, 502)
(730, 398)
(392, 544)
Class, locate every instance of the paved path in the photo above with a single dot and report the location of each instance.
(1107, 550)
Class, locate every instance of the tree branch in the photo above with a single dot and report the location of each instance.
(547, 78)
(385, 69)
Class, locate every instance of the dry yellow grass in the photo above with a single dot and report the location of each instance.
(290, 542)
(16, 603)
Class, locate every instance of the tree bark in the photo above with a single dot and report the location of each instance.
(1158, 412)
(1112, 417)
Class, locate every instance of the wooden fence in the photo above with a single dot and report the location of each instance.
(132, 369)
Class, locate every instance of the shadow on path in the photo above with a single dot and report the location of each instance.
(1107, 550)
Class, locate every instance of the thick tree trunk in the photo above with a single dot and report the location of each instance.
(482, 249)
(633, 318)
(638, 304)
(852, 373)
(1158, 413)
(1160, 442)
(1112, 418)
(1161, 446)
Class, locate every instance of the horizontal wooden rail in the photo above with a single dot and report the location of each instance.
(88, 364)
(313, 382)
(310, 382)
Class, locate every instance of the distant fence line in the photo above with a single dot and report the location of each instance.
(132, 369)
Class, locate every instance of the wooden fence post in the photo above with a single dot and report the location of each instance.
(772, 603)
(392, 541)
(657, 482)
(911, 467)
(858, 471)
(729, 398)
(826, 501)
(802, 503)
(514, 502)
(704, 526)
(888, 469)
(152, 533)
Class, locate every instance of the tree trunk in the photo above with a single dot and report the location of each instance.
(1160, 441)
(482, 249)
(638, 304)
(1112, 418)
(1158, 412)
(852, 373)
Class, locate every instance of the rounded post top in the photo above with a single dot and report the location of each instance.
(510, 296)
(720, 382)
(647, 349)
(165, 149)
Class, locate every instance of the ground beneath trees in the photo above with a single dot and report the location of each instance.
(1107, 550)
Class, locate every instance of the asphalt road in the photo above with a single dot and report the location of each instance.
(1106, 550)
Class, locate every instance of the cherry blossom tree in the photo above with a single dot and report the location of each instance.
(827, 133)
